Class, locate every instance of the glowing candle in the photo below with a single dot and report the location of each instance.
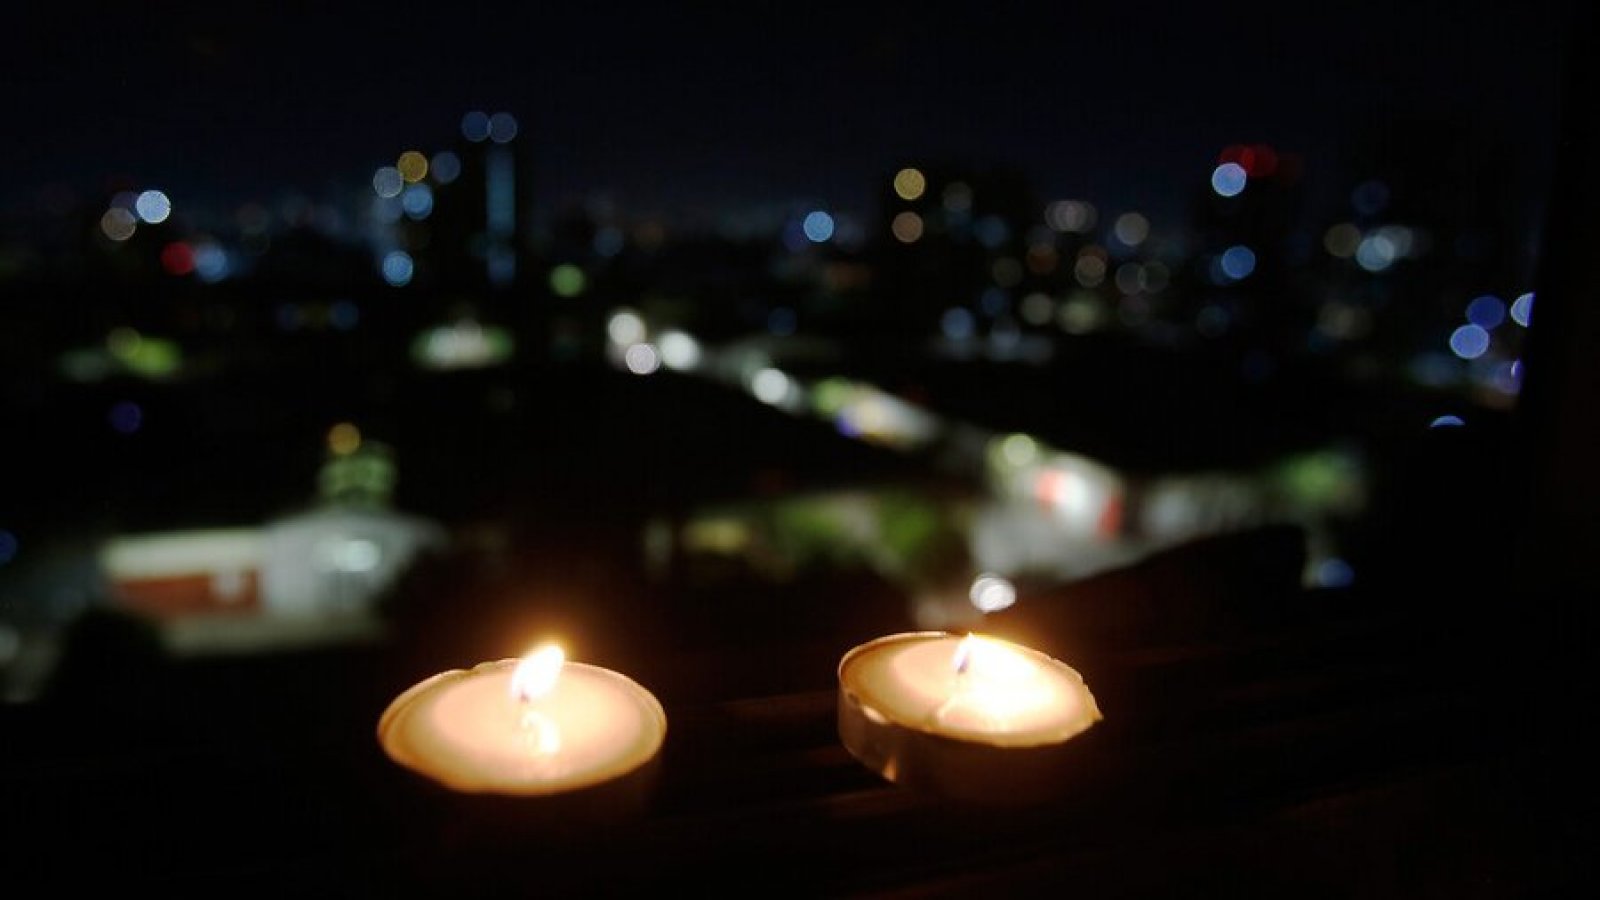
(539, 726)
(971, 717)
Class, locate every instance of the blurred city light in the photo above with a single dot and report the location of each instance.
(502, 128)
(446, 167)
(642, 359)
(1238, 262)
(1131, 229)
(567, 280)
(1228, 179)
(1073, 216)
(1487, 312)
(397, 268)
(1342, 240)
(1522, 310)
(125, 417)
(818, 226)
(625, 328)
(1469, 341)
(412, 166)
(344, 439)
(153, 207)
(909, 184)
(906, 227)
(118, 224)
(678, 350)
(388, 182)
(475, 126)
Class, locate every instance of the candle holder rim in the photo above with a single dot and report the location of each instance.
(407, 698)
(851, 695)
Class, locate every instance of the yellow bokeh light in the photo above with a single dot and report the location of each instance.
(344, 439)
(907, 227)
(909, 183)
(413, 166)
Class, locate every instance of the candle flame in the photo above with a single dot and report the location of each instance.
(962, 658)
(979, 660)
(536, 674)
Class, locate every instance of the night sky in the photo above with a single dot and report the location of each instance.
(754, 104)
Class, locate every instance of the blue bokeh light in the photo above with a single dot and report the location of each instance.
(1469, 341)
(1522, 309)
(1238, 262)
(153, 207)
(398, 268)
(957, 323)
(344, 315)
(818, 226)
(1228, 179)
(1487, 312)
(445, 167)
(8, 546)
(417, 201)
(475, 126)
(1447, 422)
(125, 417)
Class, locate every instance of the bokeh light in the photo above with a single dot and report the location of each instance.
(625, 328)
(567, 280)
(641, 359)
(153, 207)
(211, 263)
(907, 227)
(125, 417)
(1037, 309)
(388, 182)
(1131, 229)
(413, 166)
(1019, 450)
(475, 126)
(771, 386)
(1075, 216)
(417, 201)
(992, 593)
(1342, 240)
(177, 258)
(957, 323)
(679, 351)
(1522, 310)
(1375, 253)
(1228, 179)
(118, 224)
(1487, 312)
(398, 268)
(1469, 341)
(344, 439)
(502, 128)
(446, 167)
(818, 226)
(1447, 421)
(957, 197)
(9, 545)
(1238, 262)
(909, 184)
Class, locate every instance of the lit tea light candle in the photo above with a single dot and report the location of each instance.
(971, 717)
(539, 726)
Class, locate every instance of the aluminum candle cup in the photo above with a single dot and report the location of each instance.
(971, 718)
(574, 737)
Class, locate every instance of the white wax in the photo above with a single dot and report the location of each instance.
(1007, 696)
(467, 731)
